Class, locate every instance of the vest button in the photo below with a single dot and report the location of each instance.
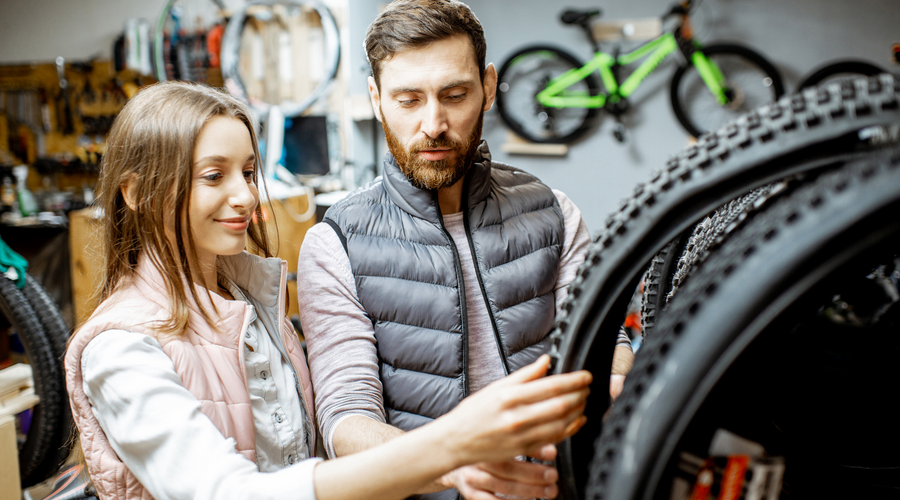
(279, 418)
(291, 459)
(247, 334)
(263, 374)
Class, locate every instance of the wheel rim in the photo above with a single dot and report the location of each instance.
(749, 85)
(522, 80)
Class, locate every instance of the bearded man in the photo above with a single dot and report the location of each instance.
(445, 273)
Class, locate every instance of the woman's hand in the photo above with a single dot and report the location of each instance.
(518, 414)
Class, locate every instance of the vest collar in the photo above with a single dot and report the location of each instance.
(259, 277)
(422, 202)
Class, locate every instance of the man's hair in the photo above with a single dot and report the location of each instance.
(410, 24)
(151, 147)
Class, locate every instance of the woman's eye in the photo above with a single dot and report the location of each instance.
(248, 174)
(213, 177)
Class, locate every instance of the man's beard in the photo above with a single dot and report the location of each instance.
(426, 174)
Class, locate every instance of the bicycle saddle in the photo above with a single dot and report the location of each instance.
(572, 16)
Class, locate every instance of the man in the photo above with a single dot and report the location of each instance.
(444, 274)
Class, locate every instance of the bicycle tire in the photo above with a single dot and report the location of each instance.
(816, 129)
(750, 76)
(57, 332)
(47, 417)
(231, 42)
(673, 264)
(841, 68)
(658, 280)
(522, 76)
(784, 253)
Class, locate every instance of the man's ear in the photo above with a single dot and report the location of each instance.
(375, 97)
(129, 192)
(490, 86)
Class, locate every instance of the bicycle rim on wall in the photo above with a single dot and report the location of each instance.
(526, 73)
(751, 81)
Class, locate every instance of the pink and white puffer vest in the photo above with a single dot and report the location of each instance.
(209, 362)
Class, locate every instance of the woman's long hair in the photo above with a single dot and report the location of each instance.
(151, 147)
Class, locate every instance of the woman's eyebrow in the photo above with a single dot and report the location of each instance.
(221, 159)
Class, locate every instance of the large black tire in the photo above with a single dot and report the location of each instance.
(777, 270)
(526, 73)
(57, 333)
(673, 264)
(751, 79)
(49, 416)
(840, 69)
(817, 129)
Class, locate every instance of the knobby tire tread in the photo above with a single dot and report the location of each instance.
(796, 237)
(57, 332)
(814, 129)
(48, 415)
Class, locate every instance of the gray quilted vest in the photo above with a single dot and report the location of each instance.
(409, 280)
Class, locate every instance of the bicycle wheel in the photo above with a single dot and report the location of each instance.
(673, 264)
(782, 266)
(840, 69)
(751, 82)
(329, 55)
(57, 333)
(48, 417)
(526, 73)
(808, 132)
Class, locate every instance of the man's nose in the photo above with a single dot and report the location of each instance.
(434, 123)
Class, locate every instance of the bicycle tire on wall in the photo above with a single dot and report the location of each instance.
(690, 120)
(844, 67)
(48, 416)
(510, 110)
(804, 132)
(776, 259)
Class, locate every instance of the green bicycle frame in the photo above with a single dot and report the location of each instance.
(557, 94)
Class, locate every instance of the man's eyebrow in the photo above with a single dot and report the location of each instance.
(417, 90)
(458, 83)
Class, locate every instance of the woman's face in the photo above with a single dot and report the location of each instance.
(223, 194)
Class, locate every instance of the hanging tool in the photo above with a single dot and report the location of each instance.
(63, 107)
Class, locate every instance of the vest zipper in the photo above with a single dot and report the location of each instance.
(462, 293)
(487, 303)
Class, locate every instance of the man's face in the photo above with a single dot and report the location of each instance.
(431, 103)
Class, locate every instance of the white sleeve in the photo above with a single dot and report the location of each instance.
(576, 243)
(156, 427)
(340, 338)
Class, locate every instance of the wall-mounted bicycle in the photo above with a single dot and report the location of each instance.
(547, 95)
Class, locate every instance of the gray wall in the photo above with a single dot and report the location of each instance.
(796, 35)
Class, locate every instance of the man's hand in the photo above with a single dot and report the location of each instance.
(484, 481)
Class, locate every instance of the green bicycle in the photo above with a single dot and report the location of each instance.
(547, 95)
